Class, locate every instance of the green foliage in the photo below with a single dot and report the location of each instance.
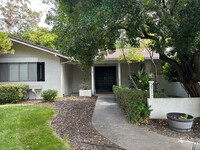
(16, 16)
(170, 73)
(132, 55)
(79, 37)
(49, 95)
(134, 103)
(41, 36)
(12, 93)
(28, 127)
(84, 86)
(141, 79)
(94, 26)
(5, 44)
(160, 95)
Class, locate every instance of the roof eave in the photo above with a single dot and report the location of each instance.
(39, 48)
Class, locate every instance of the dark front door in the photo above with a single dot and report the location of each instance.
(105, 78)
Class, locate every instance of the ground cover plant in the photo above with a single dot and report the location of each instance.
(28, 127)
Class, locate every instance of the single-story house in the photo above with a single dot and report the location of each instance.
(42, 69)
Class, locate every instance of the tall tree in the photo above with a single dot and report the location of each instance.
(15, 15)
(40, 36)
(172, 26)
(5, 44)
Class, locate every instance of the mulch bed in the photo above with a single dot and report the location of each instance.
(74, 121)
(160, 126)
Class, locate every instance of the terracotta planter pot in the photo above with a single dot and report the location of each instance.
(178, 123)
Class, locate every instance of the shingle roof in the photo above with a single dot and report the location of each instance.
(117, 53)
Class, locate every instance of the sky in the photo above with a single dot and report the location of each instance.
(37, 5)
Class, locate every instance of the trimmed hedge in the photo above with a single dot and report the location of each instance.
(49, 95)
(134, 103)
(12, 93)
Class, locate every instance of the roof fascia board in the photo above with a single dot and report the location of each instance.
(39, 48)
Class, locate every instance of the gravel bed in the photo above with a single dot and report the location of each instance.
(160, 126)
(74, 121)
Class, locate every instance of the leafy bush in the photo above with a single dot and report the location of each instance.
(160, 95)
(170, 74)
(12, 93)
(134, 103)
(49, 95)
(84, 86)
(141, 79)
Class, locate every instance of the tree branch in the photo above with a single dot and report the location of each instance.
(174, 64)
(173, 7)
(147, 36)
(129, 69)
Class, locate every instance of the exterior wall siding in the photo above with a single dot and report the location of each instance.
(171, 88)
(77, 78)
(52, 68)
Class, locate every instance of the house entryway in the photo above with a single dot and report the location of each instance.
(105, 78)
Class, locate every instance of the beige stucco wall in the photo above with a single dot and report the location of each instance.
(78, 78)
(124, 71)
(66, 79)
(52, 67)
(124, 74)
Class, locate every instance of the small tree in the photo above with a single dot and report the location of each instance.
(40, 36)
(130, 56)
(5, 44)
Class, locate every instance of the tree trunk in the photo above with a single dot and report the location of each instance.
(192, 87)
(155, 70)
(129, 70)
(187, 75)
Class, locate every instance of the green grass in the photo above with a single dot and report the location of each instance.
(27, 127)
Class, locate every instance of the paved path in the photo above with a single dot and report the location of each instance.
(109, 120)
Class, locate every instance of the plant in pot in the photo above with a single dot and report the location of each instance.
(85, 90)
(180, 122)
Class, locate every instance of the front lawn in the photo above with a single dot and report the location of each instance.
(28, 127)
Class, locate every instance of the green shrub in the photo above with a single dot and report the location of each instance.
(134, 103)
(49, 95)
(160, 95)
(84, 86)
(141, 79)
(12, 93)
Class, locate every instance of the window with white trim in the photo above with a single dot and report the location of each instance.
(16, 72)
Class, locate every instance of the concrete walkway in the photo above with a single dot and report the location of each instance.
(109, 120)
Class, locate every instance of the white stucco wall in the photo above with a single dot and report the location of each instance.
(161, 106)
(52, 67)
(171, 88)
